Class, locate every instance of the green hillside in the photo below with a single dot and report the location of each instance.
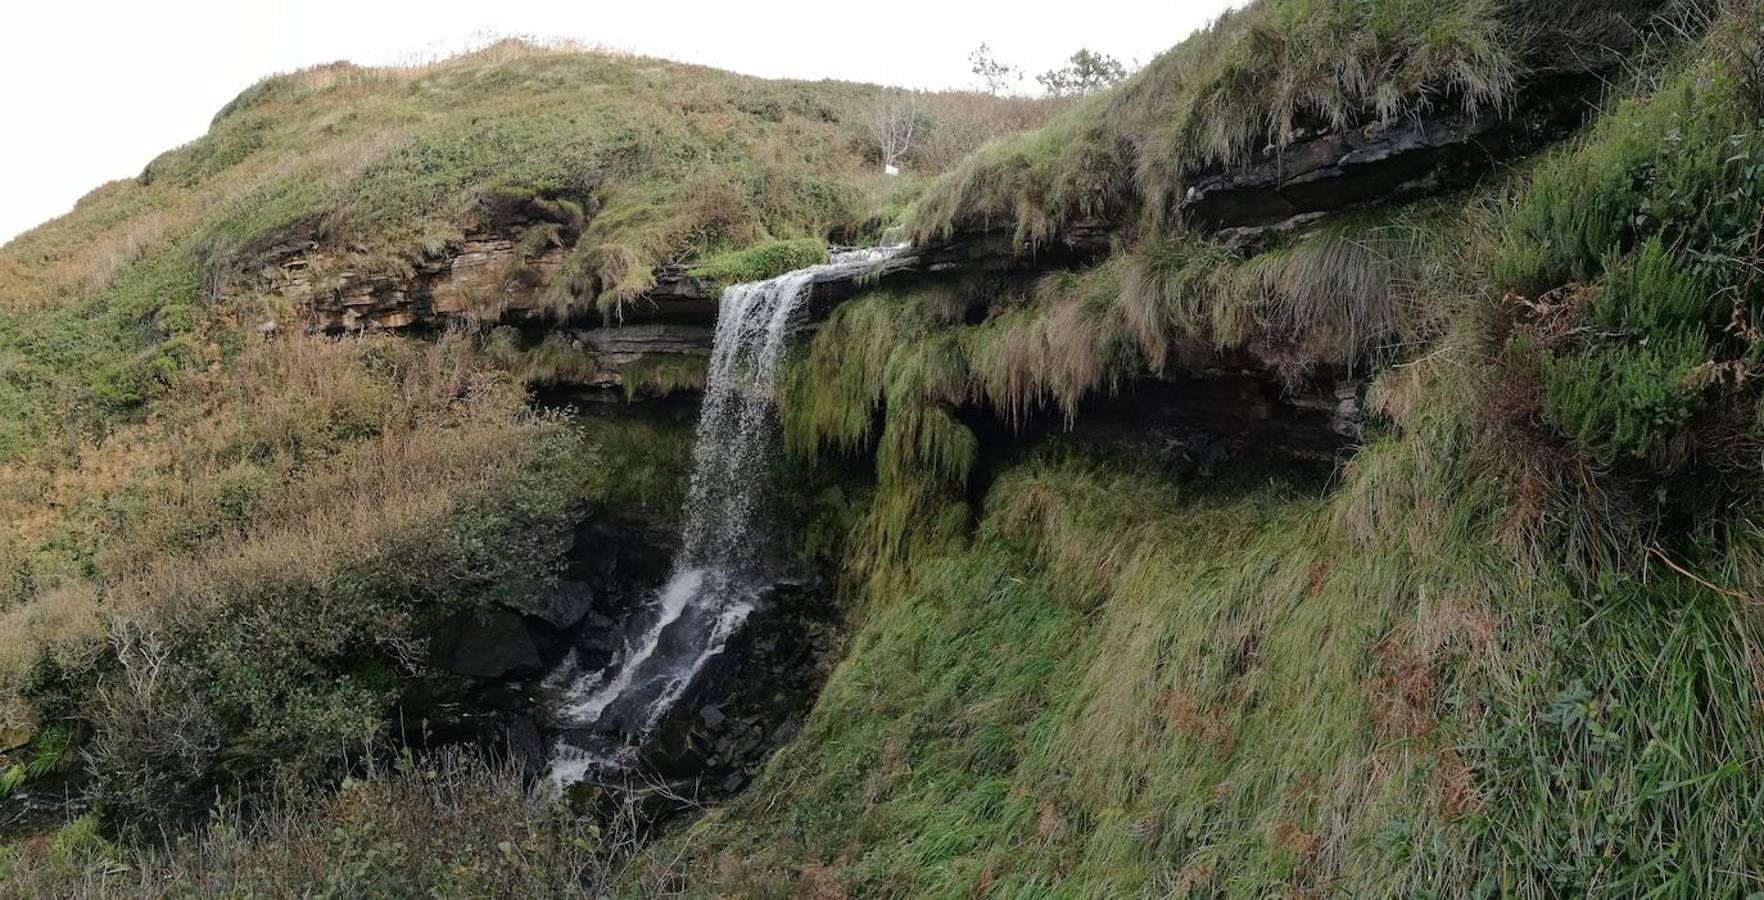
(1505, 644)
(269, 519)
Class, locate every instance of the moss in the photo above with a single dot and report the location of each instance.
(659, 376)
(760, 262)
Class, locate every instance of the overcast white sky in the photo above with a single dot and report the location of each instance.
(94, 89)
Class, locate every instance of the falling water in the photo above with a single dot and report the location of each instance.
(716, 576)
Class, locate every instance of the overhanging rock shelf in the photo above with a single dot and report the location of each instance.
(472, 279)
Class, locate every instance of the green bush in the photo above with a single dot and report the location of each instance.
(1658, 211)
(1635, 384)
(1625, 400)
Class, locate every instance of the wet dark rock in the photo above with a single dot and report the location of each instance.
(746, 698)
(617, 345)
(1199, 422)
(492, 644)
(1377, 162)
(564, 606)
(712, 717)
(526, 747)
(632, 801)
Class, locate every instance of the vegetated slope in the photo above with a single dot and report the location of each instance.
(1511, 651)
(224, 536)
(1264, 77)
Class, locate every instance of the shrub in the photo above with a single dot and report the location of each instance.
(441, 825)
(1658, 209)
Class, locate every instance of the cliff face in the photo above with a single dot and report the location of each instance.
(491, 276)
(502, 276)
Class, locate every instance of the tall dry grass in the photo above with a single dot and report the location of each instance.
(309, 456)
(448, 824)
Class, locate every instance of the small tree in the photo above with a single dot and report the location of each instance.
(895, 122)
(997, 76)
(1085, 73)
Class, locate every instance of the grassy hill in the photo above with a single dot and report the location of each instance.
(223, 534)
(1508, 648)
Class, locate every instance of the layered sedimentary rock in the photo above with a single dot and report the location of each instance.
(502, 275)
(1326, 172)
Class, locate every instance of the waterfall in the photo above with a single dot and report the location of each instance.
(717, 575)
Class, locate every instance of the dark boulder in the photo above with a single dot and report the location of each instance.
(492, 644)
(562, 607)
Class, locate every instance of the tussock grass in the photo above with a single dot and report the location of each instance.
(876, 362)
(1260, 78)
(876, 377)
(1065, 342)
(1361, 290)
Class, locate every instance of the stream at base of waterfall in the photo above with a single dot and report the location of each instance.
(718, 576)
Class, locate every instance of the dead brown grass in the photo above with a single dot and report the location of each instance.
(310, 455)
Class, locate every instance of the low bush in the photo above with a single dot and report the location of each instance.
(443, 825)
(1655, 215)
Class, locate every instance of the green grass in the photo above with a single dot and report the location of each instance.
(1488, 661)
(1263, 76)
(761, 262)
(1065, 709)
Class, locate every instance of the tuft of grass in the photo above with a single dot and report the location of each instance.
(761, 261)
(1359, 290)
